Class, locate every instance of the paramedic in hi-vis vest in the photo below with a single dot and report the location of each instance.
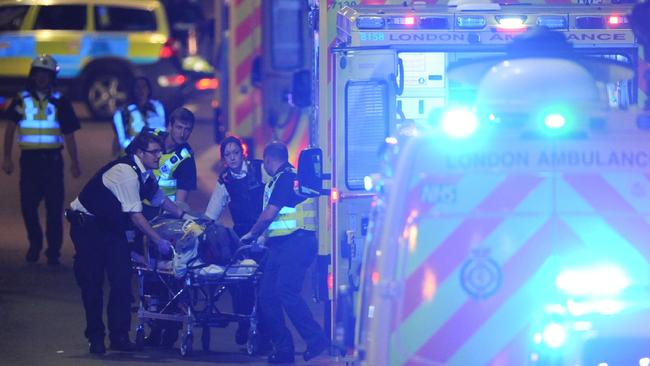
(177, 172)
(45, 122)
(144, 111)
(290, 225)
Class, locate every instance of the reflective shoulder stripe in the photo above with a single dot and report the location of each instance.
(56, 95)
(132, 107)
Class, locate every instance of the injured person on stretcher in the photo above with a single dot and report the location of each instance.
(184, 290)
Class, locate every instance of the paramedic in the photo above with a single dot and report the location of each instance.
(241, 187)
(108, 205)
(145, 111)
(290, 223)
(45, 121)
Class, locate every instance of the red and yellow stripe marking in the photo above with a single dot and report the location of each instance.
(456, 329)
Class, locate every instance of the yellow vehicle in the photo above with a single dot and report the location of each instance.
(99, 44)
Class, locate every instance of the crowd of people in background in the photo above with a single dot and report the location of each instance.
(153, 171)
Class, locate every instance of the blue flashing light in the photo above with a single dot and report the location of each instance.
(554, 120)
(471, 21)
(459, 123)
(554, 335)
(552, 21)
(607, 280)
(370, 22)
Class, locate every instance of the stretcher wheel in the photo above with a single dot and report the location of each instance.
(253, 343)
(186, 344)
(139, 338)
(205, 339)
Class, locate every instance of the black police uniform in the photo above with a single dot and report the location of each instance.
(101, 247)
(289, 257)
(41, 178)
(246, 199)
(246, 196)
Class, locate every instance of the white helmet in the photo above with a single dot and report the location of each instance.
(46, 62)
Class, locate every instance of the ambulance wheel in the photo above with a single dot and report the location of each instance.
(253, 343)
(139, 338)
(105, 90)
(205, 339)
(186, 345)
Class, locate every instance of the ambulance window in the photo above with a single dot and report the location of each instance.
(366, 128)
(286, 36)
(119, 19)
(61, 17)
(622, 93)
(11, 17)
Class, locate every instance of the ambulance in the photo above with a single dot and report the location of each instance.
(509, 222)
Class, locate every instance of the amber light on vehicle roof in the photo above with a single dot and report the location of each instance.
(207, 84)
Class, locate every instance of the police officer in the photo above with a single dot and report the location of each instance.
(145, 111)
(177, 172)
(176, 177)
(241, 187)
(45, 121)
(110, 204)
(290, 222)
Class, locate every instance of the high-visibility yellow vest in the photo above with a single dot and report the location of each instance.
(165, 173)
(290, 219)
(39, 127)
(126, 132)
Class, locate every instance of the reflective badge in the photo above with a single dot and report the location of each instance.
(164, 169)
(481, 275)
(49, 110)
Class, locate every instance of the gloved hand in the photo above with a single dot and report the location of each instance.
(257, 245)
(164, 246)
(248, 238)
(188, 216)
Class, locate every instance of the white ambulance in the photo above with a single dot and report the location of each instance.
(515, 231)
(509, 227)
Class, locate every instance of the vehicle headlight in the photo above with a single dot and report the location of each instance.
(608, 280)
(459, 123)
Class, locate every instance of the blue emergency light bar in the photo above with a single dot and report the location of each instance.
(370, 22)
(471, 21)
(552, 21)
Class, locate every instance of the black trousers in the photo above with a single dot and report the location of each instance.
(41, 178)
(284, 272)
(99, 251)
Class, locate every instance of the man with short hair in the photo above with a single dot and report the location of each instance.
(108, 206)
(45, 122)
(290, 224)
(177, 171)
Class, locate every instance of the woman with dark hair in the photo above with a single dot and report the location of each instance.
(241, 188)
(143, 112)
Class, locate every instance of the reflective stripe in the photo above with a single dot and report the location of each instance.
(39, 124)
(287, 210)
(167, 182)
(284, 224)
(41, 139)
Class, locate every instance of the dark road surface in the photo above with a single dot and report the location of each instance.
(41, 316)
